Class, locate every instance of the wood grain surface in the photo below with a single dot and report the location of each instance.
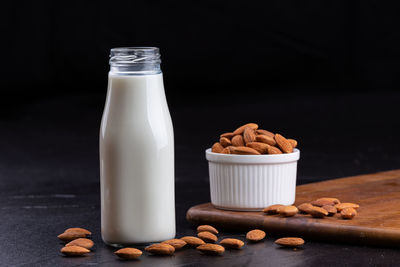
(377, 222)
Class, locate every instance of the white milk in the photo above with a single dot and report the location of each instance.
(136, 162)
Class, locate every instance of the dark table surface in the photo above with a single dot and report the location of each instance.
(49, 171)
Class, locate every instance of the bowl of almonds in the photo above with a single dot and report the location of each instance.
(251, 168)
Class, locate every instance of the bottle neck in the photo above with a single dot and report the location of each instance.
(135, 61)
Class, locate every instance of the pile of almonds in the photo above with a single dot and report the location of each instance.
(205, 242)
(249, 140)
(326, 206)
(77, 243)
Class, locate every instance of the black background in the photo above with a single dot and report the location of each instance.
(62, 47)
(325, 73)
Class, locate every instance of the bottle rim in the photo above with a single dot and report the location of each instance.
(135, 48)
(125, 56)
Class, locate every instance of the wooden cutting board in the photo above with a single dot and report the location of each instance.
(377, 222)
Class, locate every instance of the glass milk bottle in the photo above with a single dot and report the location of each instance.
(136, 151)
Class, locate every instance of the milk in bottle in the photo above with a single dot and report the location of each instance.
(136, 151)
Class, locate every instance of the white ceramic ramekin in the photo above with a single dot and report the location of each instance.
(252, 182)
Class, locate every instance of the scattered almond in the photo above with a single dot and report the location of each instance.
(237, 140)
(78, 229)
(242, 150)
(288, 211)
(293, 142)
(217, 148)
(335, 200)
(207, 228)
(317, 212)
(193, 241)
(273, 150)
(225, 141)
(240, 130)
(255, 235)
(160, 249)
(232, 243)
(211, 249)
(330, 209)
(227, 135)
(265, 132)
(74, 251)
(273, 209)
(260, 147)
(322, 202)
(348, 213)
(176, 243)
(342, 206)
(71, 235)
(207, 237)
(81, 242)
(283, 143)
(325, 201)
(292, 242)
(128, 253)
(266, 139)
(304, 208)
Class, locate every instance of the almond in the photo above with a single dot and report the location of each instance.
(249, 135)
(322, 202)
(193, 241)
(207, 237)
(293, 142)
(291, 242)
(232, 243)
(211, 249)
(240, 130)
(255, 235)
(325, 201)
(227, 135)
(342, 206)
(304, 208)
(348, 213)
(317, 212)
(335, 200)
(288, 211)
(260, 147)
(78, 229)
(283, 144)
(176, 243)
(273, 150)
(265, 132)
(237, 140)
(242, 150)
(81, 242)
(71, 235)
(225, 141)
(273, 209)
(74, 251)
(128, 253)
(266, 139)
(207, 228)
(226, 150)
(160, 249)
(330, 209)
(217, 148)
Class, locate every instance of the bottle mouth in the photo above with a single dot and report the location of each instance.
(127, 56)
